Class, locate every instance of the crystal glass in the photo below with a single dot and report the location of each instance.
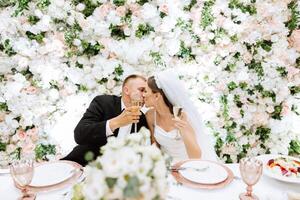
(136, 100)
(22, 173)
(251, 170)
(177, 110)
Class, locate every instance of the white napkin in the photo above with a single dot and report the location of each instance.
(293, 195)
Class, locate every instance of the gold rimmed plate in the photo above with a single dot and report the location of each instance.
(225, 178)
(54, 175)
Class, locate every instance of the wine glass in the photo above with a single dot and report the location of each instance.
(177, 110)
(136, 100)
(251, 170)
(22, 173)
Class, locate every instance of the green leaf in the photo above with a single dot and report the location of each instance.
(119, 2)
(232, 86)
(294, 89)
(206, 14)
(294, 147)
(277, 112)
(132, 188)
(3, 106)
(111, 182)
(38, 37)
(189, 7)
(264, 133)
(143, 30)
(42, 150)
(117, 32)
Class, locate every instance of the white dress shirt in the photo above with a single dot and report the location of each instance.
(124, 130)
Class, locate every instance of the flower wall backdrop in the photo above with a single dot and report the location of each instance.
(240, 59)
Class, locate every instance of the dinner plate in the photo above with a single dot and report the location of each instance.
(4, 170)
(51, 173)
(277, 175)
(203, 172)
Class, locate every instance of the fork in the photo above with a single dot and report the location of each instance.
(176, 169)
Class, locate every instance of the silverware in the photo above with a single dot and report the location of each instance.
(176, 169)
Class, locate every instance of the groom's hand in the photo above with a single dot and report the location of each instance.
(128, 116)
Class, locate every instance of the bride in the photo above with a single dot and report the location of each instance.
(183, 137)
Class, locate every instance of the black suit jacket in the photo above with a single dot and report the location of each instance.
(90, 132)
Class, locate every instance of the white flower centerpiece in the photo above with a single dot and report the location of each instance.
(129, 168)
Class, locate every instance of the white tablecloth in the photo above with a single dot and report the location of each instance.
(265, 189)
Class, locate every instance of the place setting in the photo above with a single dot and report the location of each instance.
(202, 174)
(32, 178)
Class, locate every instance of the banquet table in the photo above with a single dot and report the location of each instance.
(266, 189)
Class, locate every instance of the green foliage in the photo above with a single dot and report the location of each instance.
(243, 85)
(189, 7)
(6, 3)
(294, 147)
(7, 48)
(218, 146)
(117, 32)
(206, 15)
(42, 150)
(234, 38)
(142, 2)
(2, 146)
(236, 4)
(295, 109)
(232, 86)
(157, 58)
(72, 33)
(127, 18)
(132, 188)
(263, 133)
(185, 52)
(237, 101)
(265, 44)
(294, 89)
(90, 6)
(224, 103)
(143, 29)
(119, 2)
(3, 106)
(91, 50)
(277, 112)
(21, 6)
(33, 19)
(111, 182)
(82, 88)
(257, 67)
(282, 71)
(294, 21)
(89, 156)
(118, 70)
(42, 4)
(38, 37)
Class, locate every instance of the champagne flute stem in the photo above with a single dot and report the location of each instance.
(135, 127)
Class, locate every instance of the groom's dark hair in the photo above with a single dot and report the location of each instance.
(132, 76)
(153, 86)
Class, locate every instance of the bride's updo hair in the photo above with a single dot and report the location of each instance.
(153, 86)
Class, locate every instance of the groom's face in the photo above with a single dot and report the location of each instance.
(136, 85)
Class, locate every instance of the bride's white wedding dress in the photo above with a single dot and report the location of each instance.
(171, 142)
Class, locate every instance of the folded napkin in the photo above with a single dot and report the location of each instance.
(293, 195)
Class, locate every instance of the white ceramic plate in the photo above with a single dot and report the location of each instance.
(212, 173)
(4, 171)
(270, 173)
(51, 173)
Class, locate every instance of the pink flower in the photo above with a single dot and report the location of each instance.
(292, 71)
(33, 133)
(135, 9)
(285, 109)
(2, 116)
(294, 40)
(164, 8)
(121, 11)
(260, 118)
(30, 90)
(104, 9)
(21, 134)
(28, 147)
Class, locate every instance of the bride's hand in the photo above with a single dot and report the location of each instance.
(182, 124)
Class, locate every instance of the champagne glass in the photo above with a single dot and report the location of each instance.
(251, 170)
(22, 173)
(177, 110)
(136, 100)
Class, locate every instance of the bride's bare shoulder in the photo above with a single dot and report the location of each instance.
(150, 115)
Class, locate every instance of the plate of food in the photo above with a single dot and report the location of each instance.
(281, 167)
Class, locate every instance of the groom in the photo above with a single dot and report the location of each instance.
(108, 115)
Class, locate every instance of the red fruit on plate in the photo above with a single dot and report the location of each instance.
(270, 161)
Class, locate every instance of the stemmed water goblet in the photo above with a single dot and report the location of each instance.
(251, 170)
(22, 174)
(177, 111)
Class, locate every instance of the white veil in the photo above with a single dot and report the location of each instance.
(178, 95)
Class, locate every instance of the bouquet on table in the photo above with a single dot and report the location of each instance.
(129, 168)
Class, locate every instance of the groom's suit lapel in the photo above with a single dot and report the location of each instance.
(117, 111)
